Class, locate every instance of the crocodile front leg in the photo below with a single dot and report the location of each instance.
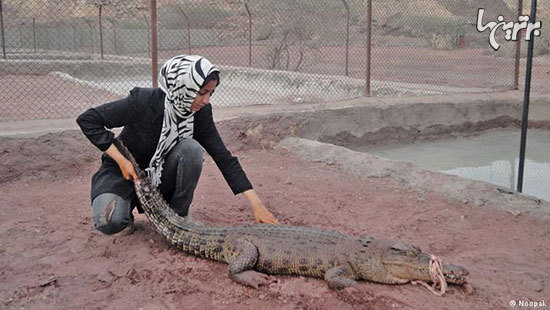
(340, 277)
(242, 259)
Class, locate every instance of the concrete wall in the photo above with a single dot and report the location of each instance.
(278, 85)
(377, 121)
(80, 38)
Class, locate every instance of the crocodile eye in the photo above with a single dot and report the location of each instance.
(411, 253)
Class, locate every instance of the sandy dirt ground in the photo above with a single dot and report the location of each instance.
(52, 258)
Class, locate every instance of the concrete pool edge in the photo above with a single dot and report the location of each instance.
(420, 118)
(460, 190)
(372, 121)
(290, 117)
(266, 126)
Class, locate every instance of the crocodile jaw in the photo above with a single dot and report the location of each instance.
(410, 264)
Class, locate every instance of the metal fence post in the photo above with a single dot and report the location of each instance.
(518, 50)
(100, 30)
(369, 34)
(21, 40)
(249, 33)
(74, 38)
(2, 28)
(33, 33)
(91, 35)
(148, 35)
(347, 36)
(154, 49)
(114, 36)
(49, 39)
(527, 92)
(188, 26)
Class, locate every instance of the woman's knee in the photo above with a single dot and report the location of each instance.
(110, 213)
(190, 152)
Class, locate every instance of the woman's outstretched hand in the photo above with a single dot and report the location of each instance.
(261, 214)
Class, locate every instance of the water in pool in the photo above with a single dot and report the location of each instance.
(491, 157)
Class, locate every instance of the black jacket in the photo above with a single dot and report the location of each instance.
(141, 114)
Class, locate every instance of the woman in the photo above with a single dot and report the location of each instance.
(166, 129)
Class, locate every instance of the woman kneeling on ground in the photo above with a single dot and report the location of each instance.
(166, 129)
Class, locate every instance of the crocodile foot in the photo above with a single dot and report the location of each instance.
(251, 278)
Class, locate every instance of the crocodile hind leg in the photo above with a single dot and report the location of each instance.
(243, 259)
(340, 277)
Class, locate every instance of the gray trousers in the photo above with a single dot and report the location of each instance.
(181, 171)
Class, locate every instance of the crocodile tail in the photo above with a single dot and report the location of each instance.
(173, 227)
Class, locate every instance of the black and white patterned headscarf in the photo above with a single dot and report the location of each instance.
(180, 78)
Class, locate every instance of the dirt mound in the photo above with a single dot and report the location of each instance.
(57, 155)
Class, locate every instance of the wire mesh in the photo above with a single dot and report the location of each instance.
(57, 62)
(62, 57)
(434, 47)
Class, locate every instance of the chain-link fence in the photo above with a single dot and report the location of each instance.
(60, 57)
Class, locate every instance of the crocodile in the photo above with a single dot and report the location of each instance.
(252, 251)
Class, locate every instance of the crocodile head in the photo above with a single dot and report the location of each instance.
(406, 262)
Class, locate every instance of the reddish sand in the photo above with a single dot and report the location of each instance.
(52, 258)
